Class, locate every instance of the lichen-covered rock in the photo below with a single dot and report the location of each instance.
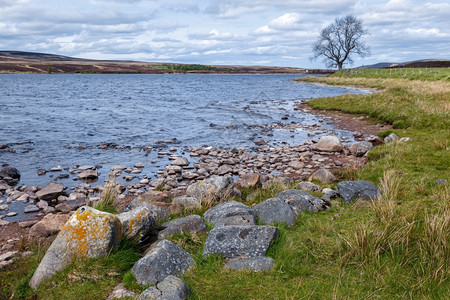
(361, 148)
(49, 225)
(171, 288)
(51, 191)
(164, 259)
(187, 202)
(137, 222)
(323, 175)
(255, 264)
(302, 200)
(329, 143)
(191, 224)
(352, 190)
(88, 233)
(230, 213)
(214, 188)
(236, 241)
(159, 213)
(274, 210)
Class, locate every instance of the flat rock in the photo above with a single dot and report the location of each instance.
(236, 241)
(31, 208)
(323, 175)
(329, 143)
(275, 211)
(49, 225)
(302, 200)
(171, 288)
(180, 161)
(248, 180)
(51, 191)
(88, 175)
(309, 186)
(164, 259)
(137, 222)
(214, 188)
(352, 190)
(361, 148)
(192, 224)
(230, 213)
(255, 264)
(70, 205)
(88, 233)
(187, 202)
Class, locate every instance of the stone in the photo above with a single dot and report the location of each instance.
(159, 213)
(391, 138)
(309, 186)
(361, 148)
(118, 168)
(10, 175)
(296, 165)
(352, 190)
(88, 175)
(120, 292)
(230, 213)
(187, 202)
(192, 224)
(376, 141)
(49, 225)
(236, 241)
(70, 205)
(31, 208)
(329, 143)
(224, 169)
(139, 165)
(137, 222)
(26, 224)
(189, 175)
(3, 222)
(273, 211)
(4, 207)
(154, 196)
(330, 194)
(302, 200)
(404, 139)
(248, 180)
(51, 191)
(323, 175)
(255, 264)
(180, 161)
(11, 214)
(171, 288)
(42, 204)
(164, 259)
(214, 188)
(88, 233)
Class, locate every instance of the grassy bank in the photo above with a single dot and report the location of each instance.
(394, 248)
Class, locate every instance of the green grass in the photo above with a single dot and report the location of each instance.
(428, 74)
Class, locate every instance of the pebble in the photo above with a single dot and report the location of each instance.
(11, 214)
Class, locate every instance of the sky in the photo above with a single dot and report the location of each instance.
(221, 32)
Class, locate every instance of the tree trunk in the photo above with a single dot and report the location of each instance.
(339, 64)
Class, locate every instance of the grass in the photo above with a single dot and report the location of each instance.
(109, 196)
(428, 74)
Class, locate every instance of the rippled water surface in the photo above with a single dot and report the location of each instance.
(52, 120)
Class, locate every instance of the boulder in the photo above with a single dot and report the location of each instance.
(309, 186)
(215, 188)
(236, 241)
(51, 191)
(191, 224)
(10, 175)
(255, 264)
(164, 259)
(88, 175)
(180, 161)
(248, 180)
(302, 200)
(70, 205)
(329, 143)
(391, 138)
(329, 194)
(323, 175)
(171, 288)
(274, 210)
(376, 141)
(121, 292)
(361, 148)
(230, 213)
(88, 233)
(137, 222)
(159, 213)
(352, 190)
(187, 202)
(49, 225)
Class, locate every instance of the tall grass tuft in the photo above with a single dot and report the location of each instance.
(109, 196)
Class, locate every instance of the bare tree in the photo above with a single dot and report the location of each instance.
(339, 40)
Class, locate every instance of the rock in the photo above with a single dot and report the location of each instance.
(187, 202)
(42, 204)
(171, 288)
(404, 139)
(255, 264)
(309, 186)
(7, 258)
(3, 187)
(274, 210)
(51, 191)
(139, 165)
(3, 222)
(330, 194)
(10, 175)
(31, 208)
(376, 141)
(297, 165)
(159, 213)
(230, 213)
(248, 180)
(441, 181)
(323, 175)
(88, 175)
(164, 259)
(88, 233)
(351, 190)
(154, 196)
(180, 161)
(302, 200)
(118, 168)
(120, 292)
(49, 225)
(70, 205)
(137, 222)
(215, 188)
(391, 138)
(361, 148)
(236, 241)
(4, 207)
(11, 214)
(26, 224)
(189, 175)
(329, 143)
(224, 169)
(192, 224)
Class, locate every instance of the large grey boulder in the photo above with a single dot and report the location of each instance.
(302, 200)
(361, 148)
(275, 210)
(171, 288)
(164, 259)
(255, 264)
(214, 188)
(191, 224)
(230, 213)
(236, 241)
(52, 191)
(329, 143)
(88, 233)
(352, 190)
(137, 222)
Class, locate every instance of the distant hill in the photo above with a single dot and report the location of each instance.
(423, 63)
(30, 62)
